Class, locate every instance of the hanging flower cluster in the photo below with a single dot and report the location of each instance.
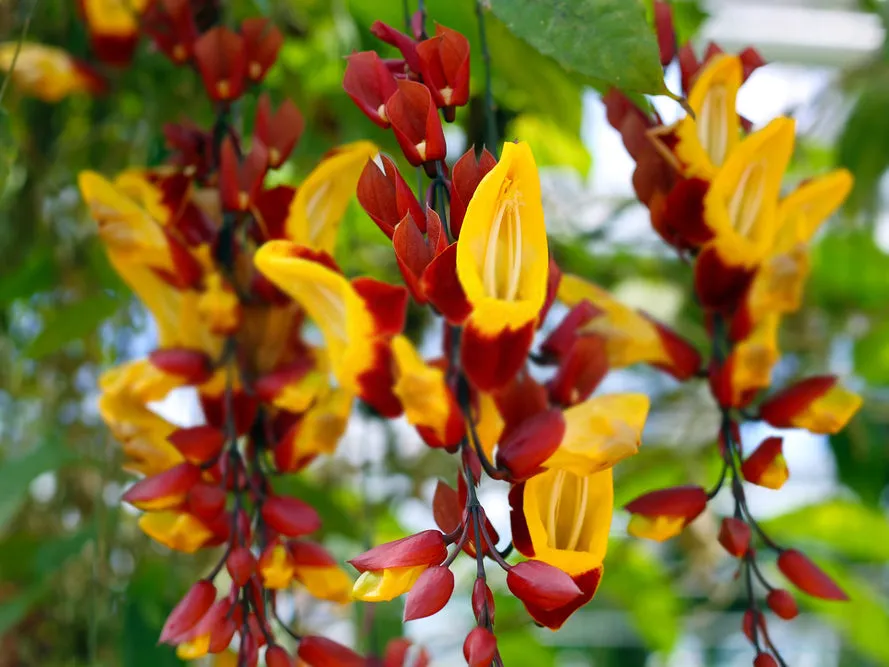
(473, 248)
(184, 238)
(713, 186)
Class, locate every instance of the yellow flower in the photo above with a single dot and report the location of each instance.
(113, 17)
(568, 518)
(705, 140)
(321, 199)
(194, 649)
(741, 205)
(45, 72)
(600, 432)
(754, 357)
(176, 530)
(502, 255)
(325, 582)
(658, 528)
(830, 412)
(387, 584)
(324, 423)
(276, 567)
(219, 306)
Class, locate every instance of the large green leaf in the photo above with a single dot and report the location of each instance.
(846, 527)
(609, 40)
(72, 322)
(862, 456)
(17, 474)
(849, 271)
(872, 355)
(36, 272)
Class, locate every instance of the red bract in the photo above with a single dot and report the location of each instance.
(205, 501)
(271, 385)
(482, 602)
(370, 84)
(164, 490)
(241, 565)
(318, 651)
(400, 41)
(782, 603)
(387, 198)
(414, 251)
(684, 501)
(275, 656)
(290, 516)
(587, 582)
(221, 58)
(764, 660)
(171, 26)
(808, 577)
(429, 594)
(198, 444)
(441, 287)
(734, 536)
(541, 585)
(192, 366)
(666, 35)
(427, 547)
(766, 466)
(720, 286)
(444, 64)
(580, 371)
(531, 443)
(479, 648)
(240, 181)
(398, 655)
(189, 611)
(262, 41)
(467, 173)
(415, 121)
(278, 131)
(780, 409)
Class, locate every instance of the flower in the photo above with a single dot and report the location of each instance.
(47, 73)
(114, 27)
(819, 404)
(391, 569)
(503, 266)
(662, 514)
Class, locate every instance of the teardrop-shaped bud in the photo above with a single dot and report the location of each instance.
(808, 577)
(782, 603)
(241, 565)
(275, 656)
(429, 594)
(198, 444)
(541, 585)
(734, 536)
(318, 651)
(764, 660)
(482, 602)
(767, 466)
(479, 648)
(526, 447)
(189, 611)
(290, 516)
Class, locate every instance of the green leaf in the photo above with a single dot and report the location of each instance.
(609, 40)
(849, 271)
(638, 582)
(17, 474)
(551, 145)
(72, 322)
(521, 647)
(35, 274)
(845, 527)
(862, 457)
(145, 608)
(13, 611)
(872, 355)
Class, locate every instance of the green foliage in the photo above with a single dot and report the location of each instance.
(849, 271)
(607, 40)
(17, 474)
(72, 322)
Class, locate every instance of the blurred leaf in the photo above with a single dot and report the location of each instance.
(520, 647)
(863, 620)
(17, 474)
(609, 40)
(638, 582)
(148, 599)
(35, 274)
(72, 322)
(551, 145)
(849, 271)
(13, 611)
(844, 527)
(688, 16)
(862, 456)
(872, 354)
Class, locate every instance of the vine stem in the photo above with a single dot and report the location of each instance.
(490, 121)
(26, 25)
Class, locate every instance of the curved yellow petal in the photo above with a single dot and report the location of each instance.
(113, 17)
(330, 301)
(502, 252)
(44, 72)
(176, 530)
(600, 432)
(704, 141)
(569, 517)
(322, 198)
(802, 212)
(326, 582)
(740, 206)
(657, 528)
(385, 585)
(421, 388)
(755, 356)
(829, 413)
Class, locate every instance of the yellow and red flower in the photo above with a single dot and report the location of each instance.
(46, 72)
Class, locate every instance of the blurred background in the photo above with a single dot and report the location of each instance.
(80, 585)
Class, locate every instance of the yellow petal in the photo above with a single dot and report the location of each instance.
(219, 306)
(658, 528)
(321, 199)
(802, 212)
(276, 568)
(113, 17)
(502, 255)
(327, 582)
(779, 282)
(194, 649)
(740, 206)
(44, 72)
(176, 530)
(600, 432)
(330, 301)
(324, 423)
(828, 414)
(755, 356)
(421, 388)
(489, 423)
(385, 585)
(704, 141)
(569, 517)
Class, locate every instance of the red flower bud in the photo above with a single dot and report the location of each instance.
(269, 386)
(387, 197)
(221, 58)
(370, 84)
(416, 123)
(442, 288)
(444, 64)
(164, 490)
(192, 366)
(429, 594)
(275, 656)
(541, 585)
(240, 181)
(311, 554)
(666, 35)
(318, 651)
(479, 648)
(782, 603)
(241, 565)
(398, 654)
(580, 371)
(764, 660)
(466, 175)
(766, 466)
(752, 624)
(290, 516)
(171, 26)
(482, 602)
(262, 41)
(279, 131)
(198, 444)
(424, 548)
(685, 501)
(734, 536)
(414, 252)
(189, 611)
(808, 577)
(526, 447)
(780, 408)
(206, 501)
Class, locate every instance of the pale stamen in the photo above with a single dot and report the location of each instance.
(583, 488)
(515, 251)
(747, 199)
(317, 219)
(713, 128)
(491, 252)
(555, 500)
